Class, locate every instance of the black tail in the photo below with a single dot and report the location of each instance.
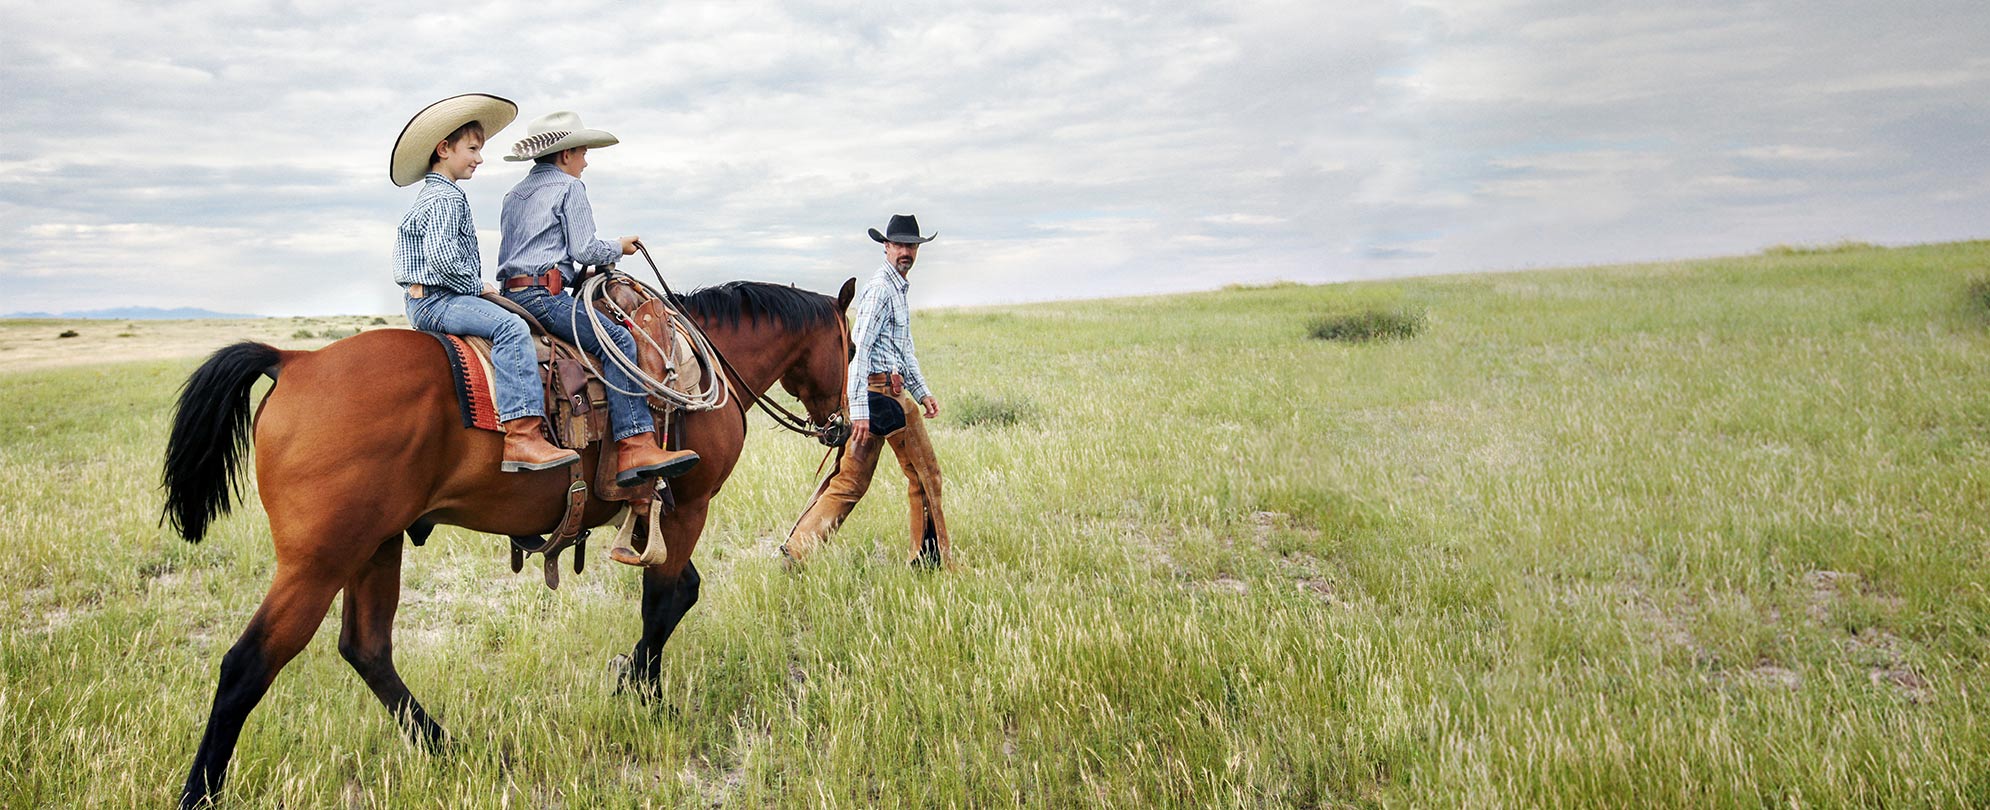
(210, 434)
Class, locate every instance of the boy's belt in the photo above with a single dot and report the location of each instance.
(549, 278)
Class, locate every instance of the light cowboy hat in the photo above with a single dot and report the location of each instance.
(903, 229)
(557, 132)
(434, 123)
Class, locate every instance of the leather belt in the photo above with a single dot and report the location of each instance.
(889, 379)
(549, 278)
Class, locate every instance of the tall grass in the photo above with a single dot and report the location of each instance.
(1699, 534)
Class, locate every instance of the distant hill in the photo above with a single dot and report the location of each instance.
(134, 314)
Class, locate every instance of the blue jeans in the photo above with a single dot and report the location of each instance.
(519, 393)
(627, 415)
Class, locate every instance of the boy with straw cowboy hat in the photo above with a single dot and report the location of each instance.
(548, 235)
(437, 264)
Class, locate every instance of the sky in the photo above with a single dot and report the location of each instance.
(233, 155)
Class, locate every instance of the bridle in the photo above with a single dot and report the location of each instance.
(832, 433)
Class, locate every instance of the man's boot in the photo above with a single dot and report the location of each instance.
(638, 457)
(526, 448)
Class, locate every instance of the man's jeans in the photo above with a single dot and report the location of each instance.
(627, 415)
(519, 393)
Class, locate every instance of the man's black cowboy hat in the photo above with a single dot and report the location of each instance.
(903, 229)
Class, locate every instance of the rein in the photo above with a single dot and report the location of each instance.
(831, 434)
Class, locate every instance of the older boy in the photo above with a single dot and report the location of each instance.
(548, 233)
(436, 262)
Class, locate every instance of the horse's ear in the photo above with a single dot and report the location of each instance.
(846, 295)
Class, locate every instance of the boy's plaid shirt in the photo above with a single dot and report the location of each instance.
(881, 333)
(436, 244)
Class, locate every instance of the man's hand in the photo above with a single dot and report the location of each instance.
(490, 289)
(860, 434)
(629, 245)
(932, 406)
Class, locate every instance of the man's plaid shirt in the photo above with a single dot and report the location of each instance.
(436, 245)
(881, 332)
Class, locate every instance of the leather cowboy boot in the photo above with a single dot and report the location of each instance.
(526, 448)
(638, 457)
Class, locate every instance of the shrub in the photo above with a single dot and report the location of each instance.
(303, 334)
(1979, 295)
(1843, 246)
(66, 333)
(1369, 325)
(996, 411)
(379, 322)
(335, 333)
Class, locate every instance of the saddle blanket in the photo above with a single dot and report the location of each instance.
(470, 369)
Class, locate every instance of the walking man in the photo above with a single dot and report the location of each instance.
(889, 400)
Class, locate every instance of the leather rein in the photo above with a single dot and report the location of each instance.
(831, 434)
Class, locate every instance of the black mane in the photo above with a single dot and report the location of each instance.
(727, 304)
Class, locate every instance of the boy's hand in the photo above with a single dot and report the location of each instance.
(932, 406)
(490, 289)
(629, 245)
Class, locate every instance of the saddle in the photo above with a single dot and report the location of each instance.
(576, 417)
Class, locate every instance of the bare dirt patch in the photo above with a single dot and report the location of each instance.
(37, 344)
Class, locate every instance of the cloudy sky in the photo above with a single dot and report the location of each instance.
(233, 155)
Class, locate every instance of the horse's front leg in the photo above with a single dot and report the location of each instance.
(669, 591)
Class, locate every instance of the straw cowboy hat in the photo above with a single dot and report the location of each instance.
(431, 125)
(903, 229)
(557, 132)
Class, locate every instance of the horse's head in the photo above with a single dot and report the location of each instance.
(816, 375)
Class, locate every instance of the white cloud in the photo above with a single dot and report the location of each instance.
(232, 154)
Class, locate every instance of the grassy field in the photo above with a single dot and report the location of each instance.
(1695, 534)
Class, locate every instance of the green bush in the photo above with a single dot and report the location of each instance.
(303, 334)
(335, 333)
(1979, 295)
(379, 322)
(1369, 325)
(996, 411)
(1844, 246)
(68, 333)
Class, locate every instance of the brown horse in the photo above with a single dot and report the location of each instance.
(359, 441)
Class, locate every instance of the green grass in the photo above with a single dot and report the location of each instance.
(1694, 534)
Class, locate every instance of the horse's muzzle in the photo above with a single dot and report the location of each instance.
(835, 433)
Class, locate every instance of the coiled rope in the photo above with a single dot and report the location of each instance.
(713, 392)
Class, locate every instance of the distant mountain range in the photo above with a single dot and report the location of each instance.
(134, 314)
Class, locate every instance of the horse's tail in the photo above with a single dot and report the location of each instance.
(210, 434)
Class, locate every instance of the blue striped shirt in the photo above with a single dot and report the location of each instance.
(436, 244)
(881, 333)
(547, 221)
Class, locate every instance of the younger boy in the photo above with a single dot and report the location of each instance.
(436, 261)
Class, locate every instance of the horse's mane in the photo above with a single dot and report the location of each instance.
(734, 301)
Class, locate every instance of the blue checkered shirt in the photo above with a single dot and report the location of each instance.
(436, 245)
(881, 333)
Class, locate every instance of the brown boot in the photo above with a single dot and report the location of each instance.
(526, 448)
(638, 458)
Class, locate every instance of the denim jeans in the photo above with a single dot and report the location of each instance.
(627, 415)
(519, 393)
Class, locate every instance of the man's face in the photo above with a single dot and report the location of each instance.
(460, 159)
(901, 256)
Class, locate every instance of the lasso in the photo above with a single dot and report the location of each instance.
(713, 392)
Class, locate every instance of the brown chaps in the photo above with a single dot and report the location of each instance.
(838, 495)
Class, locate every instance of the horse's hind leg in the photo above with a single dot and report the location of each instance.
(297, 600)
(366, 640)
